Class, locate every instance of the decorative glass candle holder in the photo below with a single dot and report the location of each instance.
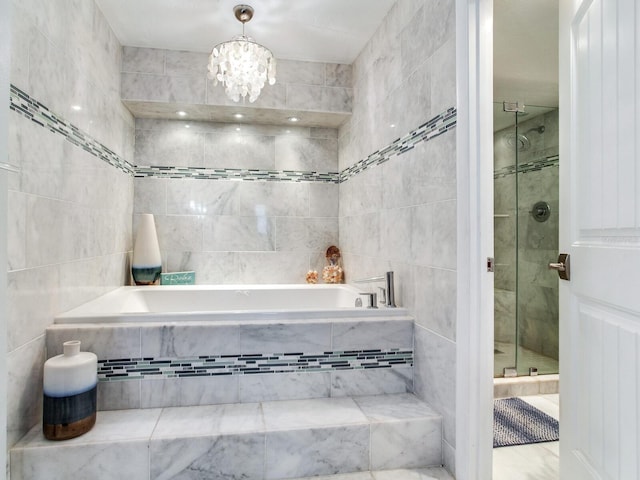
(332, 273)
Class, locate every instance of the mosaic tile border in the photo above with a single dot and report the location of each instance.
(533, 166)
(23, 104)
(250, 364)
(237, 174)
(435, 127)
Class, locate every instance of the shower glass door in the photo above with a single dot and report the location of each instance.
(525, 240)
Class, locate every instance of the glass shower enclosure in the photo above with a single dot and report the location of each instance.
(525, 240)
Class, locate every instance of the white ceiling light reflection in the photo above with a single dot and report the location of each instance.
(261, 219)
(197, 207)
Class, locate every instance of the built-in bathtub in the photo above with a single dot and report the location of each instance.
(196, 345)
(223, 302)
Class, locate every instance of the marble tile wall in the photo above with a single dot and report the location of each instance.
(401, 215)
(69, 211)
(150, 365)
(537, 300)
(153, 75)
(239, 231)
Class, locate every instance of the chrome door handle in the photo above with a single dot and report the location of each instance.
(562, 266)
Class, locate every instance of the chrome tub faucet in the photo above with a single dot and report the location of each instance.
(387, 296)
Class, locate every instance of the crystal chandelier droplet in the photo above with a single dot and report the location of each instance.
(242, 65)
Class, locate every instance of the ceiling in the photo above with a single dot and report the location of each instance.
(331, 31)
(525, 52)
(335, 31)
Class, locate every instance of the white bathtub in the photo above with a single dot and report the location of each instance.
(222, 302)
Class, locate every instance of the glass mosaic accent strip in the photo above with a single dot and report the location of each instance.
(532, 166)
(428, 131)
(245, 364)
(237, 174)
(28, 107)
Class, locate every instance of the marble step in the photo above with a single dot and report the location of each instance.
(268, 440)
(431, 473)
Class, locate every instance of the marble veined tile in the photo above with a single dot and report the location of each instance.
(24, 387)
(343, 476)
(143, 60)
(284, 386)
(114, 426)
(434, 473)
(119, 395)
(525, 462)
(113, 461)
(306, 73)
(319, 451)
(226, 233)
(209, 420)
(385, 334)
(381, 408)
(184, 63)
(105, 342)
(231, 457)
(178, 340)
(406, 443)
(371, 381)
(338, 75)
(321, 412)
(285, 338)
(188, 391)
(323, 200)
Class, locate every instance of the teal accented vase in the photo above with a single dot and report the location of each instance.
(146, 266)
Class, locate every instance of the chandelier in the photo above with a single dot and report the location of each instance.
(242, 65)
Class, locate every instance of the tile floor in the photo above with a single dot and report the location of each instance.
(539, 461)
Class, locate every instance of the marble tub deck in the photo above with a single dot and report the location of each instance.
(268, 440)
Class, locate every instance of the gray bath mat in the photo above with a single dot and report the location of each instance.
(516, 422)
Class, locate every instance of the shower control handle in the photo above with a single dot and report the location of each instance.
(562, 266)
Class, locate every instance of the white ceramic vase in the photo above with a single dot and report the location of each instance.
(70, 393)
(146, 265)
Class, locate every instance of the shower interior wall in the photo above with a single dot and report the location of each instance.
(399, 216)
(537, 300)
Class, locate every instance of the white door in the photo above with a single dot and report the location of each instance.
(600, 229)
